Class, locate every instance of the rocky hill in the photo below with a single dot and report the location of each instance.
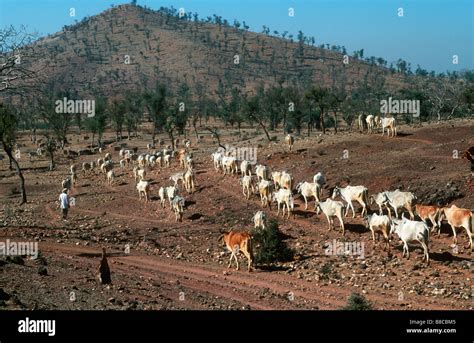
(129, 47)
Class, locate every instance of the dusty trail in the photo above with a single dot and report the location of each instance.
(237, 285)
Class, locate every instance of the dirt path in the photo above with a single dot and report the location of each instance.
(236, 285)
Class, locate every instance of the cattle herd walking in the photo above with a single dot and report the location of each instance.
(274, 186)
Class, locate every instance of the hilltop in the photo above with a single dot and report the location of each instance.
(130, 48)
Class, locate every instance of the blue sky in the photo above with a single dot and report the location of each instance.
(429, 33)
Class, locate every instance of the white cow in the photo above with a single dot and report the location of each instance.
(411, 231)
(370, 123)
(245, 168)
(389, 124)
(307, 190)
(143, 187)
(284, 196)
(331, 209)
(352, 193)
(262, 172)
(247, 186)
(398, 199)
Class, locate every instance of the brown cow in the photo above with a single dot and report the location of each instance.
(432, 213)
(458, 217)
(238, 242)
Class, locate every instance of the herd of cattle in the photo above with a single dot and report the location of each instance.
(279, 187)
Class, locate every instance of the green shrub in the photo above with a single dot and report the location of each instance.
(357, 302)
(270, 246)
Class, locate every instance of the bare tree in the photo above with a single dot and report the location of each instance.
(16, 69)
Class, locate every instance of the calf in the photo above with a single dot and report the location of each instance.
(238, 242)
(380, 224)
(260, 220)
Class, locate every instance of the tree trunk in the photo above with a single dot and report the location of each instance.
(265, 130)
(51, 157)
(335, 122)
(262, 125)
(321, 121)
(18, 172)
(170, 134)
(195, 130)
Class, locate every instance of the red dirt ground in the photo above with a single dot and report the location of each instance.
(181, 265)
